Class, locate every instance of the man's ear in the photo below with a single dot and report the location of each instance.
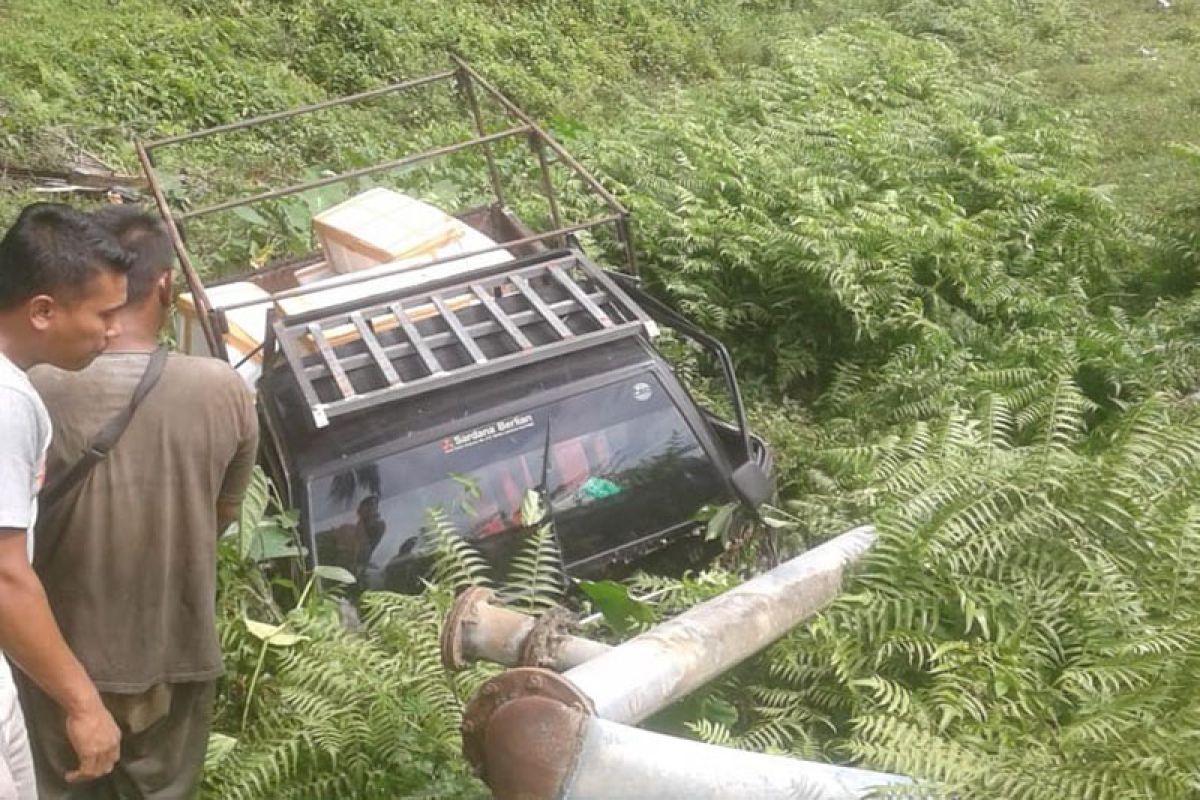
(163, 287)
(41, 311)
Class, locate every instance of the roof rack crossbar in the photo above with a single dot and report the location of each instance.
(534, 296)
(367, 334)
(418, 342)
(540, 306)
(580, 296)
(367, 400)
(316, 369)
(502, 319)
(331, 360)
(459, 331)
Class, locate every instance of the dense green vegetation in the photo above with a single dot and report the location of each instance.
(141, 69)
(954, 248)
(367, 713)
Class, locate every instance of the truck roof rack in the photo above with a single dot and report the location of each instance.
(406, 342)
(477, 95)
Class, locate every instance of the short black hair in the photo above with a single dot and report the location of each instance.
(55, 249)
(145, 237)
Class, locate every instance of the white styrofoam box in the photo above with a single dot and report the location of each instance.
(247, 325)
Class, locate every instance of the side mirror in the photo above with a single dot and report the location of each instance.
(751, 484)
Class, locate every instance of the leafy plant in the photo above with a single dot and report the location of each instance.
(1018, 596)
(363, 711)
(535, 579)
(945, 326)
(265, 530)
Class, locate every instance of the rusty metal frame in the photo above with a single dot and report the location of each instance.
(387, 166)
(470, 85)
(478, 628)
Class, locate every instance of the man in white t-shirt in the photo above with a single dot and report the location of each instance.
(62, 281)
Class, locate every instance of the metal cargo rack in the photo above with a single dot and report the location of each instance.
(405, 342)
(471, 88)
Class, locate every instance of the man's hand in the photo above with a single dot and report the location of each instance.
(31, 639)
(96, 740)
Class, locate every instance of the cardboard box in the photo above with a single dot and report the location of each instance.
(381, 226)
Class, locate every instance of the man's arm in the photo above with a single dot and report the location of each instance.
(240, 469)
(28, 633)
(30, 637)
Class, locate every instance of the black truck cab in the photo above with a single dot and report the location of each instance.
(622, 455)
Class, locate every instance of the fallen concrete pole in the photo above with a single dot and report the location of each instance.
(606, 760)
(667, 662)
(617, 759)
(476, 630)
(536, 735)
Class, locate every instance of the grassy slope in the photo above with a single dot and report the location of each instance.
(1128, 100)
(95, 74)
(1125, 69)
(1133, 78)
(1136, 81)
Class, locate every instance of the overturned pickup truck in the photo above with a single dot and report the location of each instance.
(427, 368)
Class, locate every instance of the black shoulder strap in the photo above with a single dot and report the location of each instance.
(107, 437)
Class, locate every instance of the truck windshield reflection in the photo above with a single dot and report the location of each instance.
(622, 464)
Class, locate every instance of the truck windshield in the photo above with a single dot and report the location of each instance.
(623, 464)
